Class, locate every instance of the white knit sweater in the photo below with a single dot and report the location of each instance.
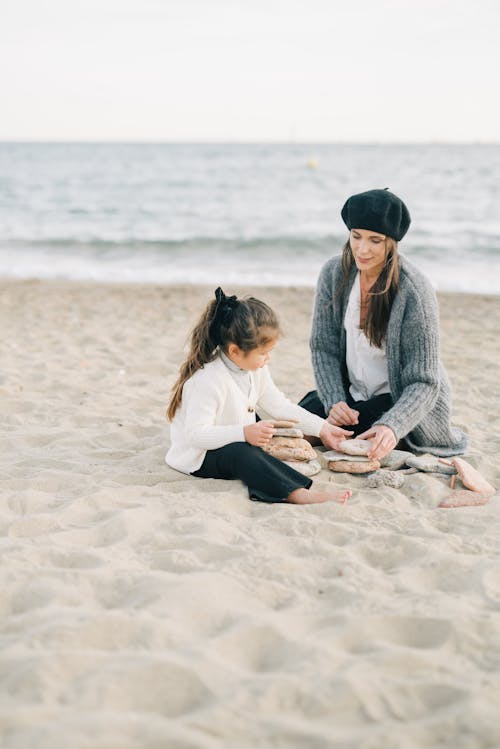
(214, 411)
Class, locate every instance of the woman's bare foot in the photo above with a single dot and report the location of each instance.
(310, 496)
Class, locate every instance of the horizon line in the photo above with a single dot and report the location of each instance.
(221, 142)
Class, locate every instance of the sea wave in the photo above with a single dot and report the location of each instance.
(239, 213)
(482, 244)
(276, 261)
(99, 244)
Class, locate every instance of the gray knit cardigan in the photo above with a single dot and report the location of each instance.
(417, 379)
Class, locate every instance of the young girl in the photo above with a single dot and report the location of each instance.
(214, 433)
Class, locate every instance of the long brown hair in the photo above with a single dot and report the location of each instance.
(249, 323)
(381, 294)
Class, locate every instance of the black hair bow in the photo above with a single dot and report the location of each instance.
(225, 306)
(223, 312)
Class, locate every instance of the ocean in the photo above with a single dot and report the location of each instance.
(256, 214)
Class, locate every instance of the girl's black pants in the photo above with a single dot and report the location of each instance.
(267, 478)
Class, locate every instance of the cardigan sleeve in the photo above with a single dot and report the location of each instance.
(325, 340)
(277, 405)
(418, 361)
(201, 405)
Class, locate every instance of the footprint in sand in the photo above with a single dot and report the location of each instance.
(389, 551)
(259, 648)
(129, 593)
(402, 701)
(75, 560)
(176, 560)
(446, 575)
(142, 479)
(413, 632)
(29, 527)
(491, 585)
(23, 599)
(53, 482)
(108, 631)
(102, 529)
(149, 683)
(409, 632)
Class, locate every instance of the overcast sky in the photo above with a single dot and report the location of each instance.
(250, 70)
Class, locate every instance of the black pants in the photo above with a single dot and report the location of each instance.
(268, 479)
(369, 411)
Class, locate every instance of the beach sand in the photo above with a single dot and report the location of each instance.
(145, 609)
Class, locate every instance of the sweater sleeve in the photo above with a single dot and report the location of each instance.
(200, 419)
(419, 362)
(325, 341)
(278, 406)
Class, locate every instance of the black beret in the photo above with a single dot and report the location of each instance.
(377, 210)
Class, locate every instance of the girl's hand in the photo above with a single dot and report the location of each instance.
(342, 415)
(259, 434)
(332, 435)
(383, 441)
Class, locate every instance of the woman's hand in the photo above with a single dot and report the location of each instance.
(342, 415)
(259, 434)
(383, 441)
(332, 435)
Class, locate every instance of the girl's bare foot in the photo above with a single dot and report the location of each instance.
(309, 497)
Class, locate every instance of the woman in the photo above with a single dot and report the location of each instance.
(375, 338)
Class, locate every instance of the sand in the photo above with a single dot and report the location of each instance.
(141, 609)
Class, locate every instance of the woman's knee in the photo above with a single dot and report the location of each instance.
(312, 403)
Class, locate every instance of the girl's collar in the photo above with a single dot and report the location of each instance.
(231, 365)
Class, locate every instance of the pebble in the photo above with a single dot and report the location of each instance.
(290, 453)
(307, 468)
(465, 498)
(290, 442)
(287, 432)
(353, 466)
(384, 477)
(355, 447)
(284, 423)
(395, 459)
(336, 455)
(290, 448)
(468, 475)
(429, 464)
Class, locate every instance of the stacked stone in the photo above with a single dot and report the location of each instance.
(288, 444)
(351, 457)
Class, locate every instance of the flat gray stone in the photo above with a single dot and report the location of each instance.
(355, 446)
(307, 468)
(430, 464)
(395, 459)
(283, 432)
(336, 455)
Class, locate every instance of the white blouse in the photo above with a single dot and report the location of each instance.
(366, 364)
